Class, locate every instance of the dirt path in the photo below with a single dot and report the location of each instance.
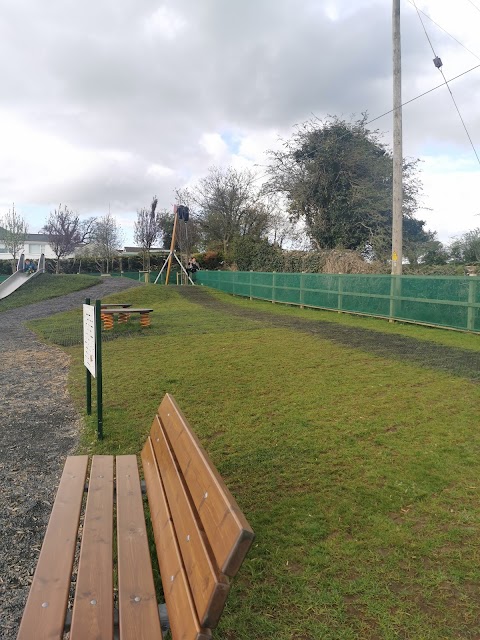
(458, 362)
(39, 428)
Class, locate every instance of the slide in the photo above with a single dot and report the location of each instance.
(16, 280)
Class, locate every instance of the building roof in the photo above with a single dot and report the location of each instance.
(136, 250)
(30, 237)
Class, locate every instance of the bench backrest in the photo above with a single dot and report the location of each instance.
(201, 535)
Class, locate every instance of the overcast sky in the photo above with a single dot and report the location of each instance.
(109, 102)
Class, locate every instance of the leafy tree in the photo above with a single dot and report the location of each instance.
(229, 206)
(13, 232)
(165, 223)
(435, 253)
(466, 249)
(107, 238)
(65, 232)
(147, 231)
(337, 177)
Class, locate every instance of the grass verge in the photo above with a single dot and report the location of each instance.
(44, 287)
(358, 473)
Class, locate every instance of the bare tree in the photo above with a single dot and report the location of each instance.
(229, 206)
(13, 232)
(107, 238)
(65, 232)
(147, 231)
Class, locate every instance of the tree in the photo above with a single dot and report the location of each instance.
(147, 231)
(65, 232)
(13, 232)
(107, 238)
(466, 249)
(337, 177)
(229, 206)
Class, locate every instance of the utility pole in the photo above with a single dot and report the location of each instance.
(397, 218)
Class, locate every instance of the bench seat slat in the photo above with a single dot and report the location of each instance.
(226, 527)
(93, 606)
(209, 587)
(45, 611)
(138, 611)
(180, 606)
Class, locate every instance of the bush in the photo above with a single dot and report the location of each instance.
(211, 260)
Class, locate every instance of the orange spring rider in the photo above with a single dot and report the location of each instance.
(107, 321)
(145, 319)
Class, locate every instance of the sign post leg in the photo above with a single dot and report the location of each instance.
(98, 354)
(89, 381)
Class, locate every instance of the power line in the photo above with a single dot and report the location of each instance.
(445, 31)
(474, 5)
(438, 64)
(460, 115)
(316, 147)
(424, 28)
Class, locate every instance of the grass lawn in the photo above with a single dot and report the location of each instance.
(359, 474)
(44, 287)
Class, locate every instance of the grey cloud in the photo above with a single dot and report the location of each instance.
(95, 75)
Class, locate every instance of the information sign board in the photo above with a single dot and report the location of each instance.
(89, 341)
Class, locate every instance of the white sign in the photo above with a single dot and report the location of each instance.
(89, 342)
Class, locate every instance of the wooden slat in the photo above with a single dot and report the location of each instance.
(44, 614)
(93, 607)
(226, 527)
(208, 586)
(138, 610)
(180, 606)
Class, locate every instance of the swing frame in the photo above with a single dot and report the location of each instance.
(172, 254)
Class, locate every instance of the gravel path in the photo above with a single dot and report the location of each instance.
(39, 429)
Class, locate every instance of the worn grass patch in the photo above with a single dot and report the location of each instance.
(358, 473)
(447, 337)
(44, 287)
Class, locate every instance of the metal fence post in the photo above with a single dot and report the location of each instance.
(340, 293)
(273, 286)
(472, 290)
(251, 271)
(302, 290)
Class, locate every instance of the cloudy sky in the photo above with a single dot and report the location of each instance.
(105, 103)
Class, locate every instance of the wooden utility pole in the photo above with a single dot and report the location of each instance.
(397, 221)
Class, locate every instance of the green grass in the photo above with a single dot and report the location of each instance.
(359, 474)
(447, 337)
(44, 287)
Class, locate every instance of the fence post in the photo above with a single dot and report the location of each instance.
(273, 287)
(340, 293)
(472, 289)
(395, 295)
(251, 271)
(302, 290)
(392, 299)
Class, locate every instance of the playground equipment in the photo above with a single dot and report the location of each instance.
(181, 213)
(20, 277)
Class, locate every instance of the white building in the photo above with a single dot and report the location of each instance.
(35, 245)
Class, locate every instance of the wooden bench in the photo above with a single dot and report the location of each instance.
(116, 305)
(107, 314)
(201, 539)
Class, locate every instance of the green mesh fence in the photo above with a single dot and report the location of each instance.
(444, 301)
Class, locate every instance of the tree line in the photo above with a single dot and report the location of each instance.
(328, 188)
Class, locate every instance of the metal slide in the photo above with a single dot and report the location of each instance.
(16, 280)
